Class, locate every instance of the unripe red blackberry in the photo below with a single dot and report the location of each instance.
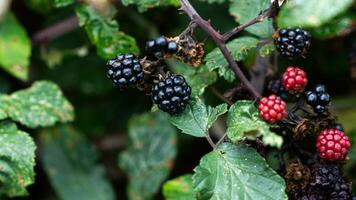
(124, 70)
(272, 108)
(333, 144)
(171, 94)
(292, 42)
(294, 80)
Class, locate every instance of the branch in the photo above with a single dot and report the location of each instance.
(270, 13)
(219, 41)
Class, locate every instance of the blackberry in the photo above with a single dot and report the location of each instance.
(124, 70)
(325, 175)
(171, 94)
(341, 191)
(310, 193)
(276, 87)
(292, 42)
(161, 46)
(318, 98)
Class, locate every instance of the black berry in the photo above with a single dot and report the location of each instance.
(124, 70)
(318, 98)
(326, 175)
(161, 46)
(171, 94)
(311, 98)
(339, 127)
(340, 191)
(292, 42)
(320, 89)
(172, 47)
(276, 87)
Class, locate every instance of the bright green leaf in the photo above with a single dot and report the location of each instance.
(334, 27)
(43, 104)
(17, 152)
(267, 49)
(198, 118)
(15, 47)
(180, 188)
(310, 13)
(62, 3)
(246, 10)
(104, 32)
(71, 165)
(149, 155)
(239, 48)
(143, 5)
(213, 1)
(243, 120)
(236, 173)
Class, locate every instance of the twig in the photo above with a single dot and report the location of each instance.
(212, 144)
(219, 41)
(55, 31)
(221, 140)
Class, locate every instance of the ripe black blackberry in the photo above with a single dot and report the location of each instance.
(318, 98)
(276, 87)
(171, 94)
(292, 42)
(340, 191)
(124, 70)
(325, 175)
(161, 46)
(310, 193)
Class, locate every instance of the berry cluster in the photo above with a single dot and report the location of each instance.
(272, 108)
(292, 42)
(171, 94)
(318, 98)
(294, 80)
(161, 46)
(333, 144)
(124, 70)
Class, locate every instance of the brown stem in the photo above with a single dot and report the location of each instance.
(219, 41)
(208, 138)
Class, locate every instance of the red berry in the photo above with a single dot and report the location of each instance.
(294, 80)
(333, 144)
(272, 108)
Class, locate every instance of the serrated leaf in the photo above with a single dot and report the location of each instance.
(41, 105)
(104, 32)
(267, 49)
(71, 165)
(15, 47)
(239, 48)
(198, 118)
(310, 13)
(62, 3)
(143, 5)
(180, 188)
(246, 10)
(198, 79)
(236, 172)
(17, 152)
(149, 155)
(243, 120)
(334, 27)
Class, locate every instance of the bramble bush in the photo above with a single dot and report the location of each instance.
(177, 99)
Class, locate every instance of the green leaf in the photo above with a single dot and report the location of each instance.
(333, 28)
(71, 165)
(246, 10)
(143, 5)
(104, 32)
(310, 13)
(17, 152)
(149, 155)
(43, 104)
(198, 118)
(236, 173)
(180, 188)
(243, 120)
(239, 48)
(198, 79)
(267, 49)
(62, 3)
(213, 1)
(15, 47)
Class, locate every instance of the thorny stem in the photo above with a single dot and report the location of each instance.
(218, 39)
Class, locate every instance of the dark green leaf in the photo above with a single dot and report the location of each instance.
(17, 152)
(267, 49)
(236, 173)
(143, 5)
(104, 32)
(198, 118)
(333, 28)
(180, 188)
(243, 120)
(213, 1)
(71, 164)
(150, 154)
(62, 3)
(246, 10)
(15, 47)
(43, 104)
(310, 13)
(239, 48)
